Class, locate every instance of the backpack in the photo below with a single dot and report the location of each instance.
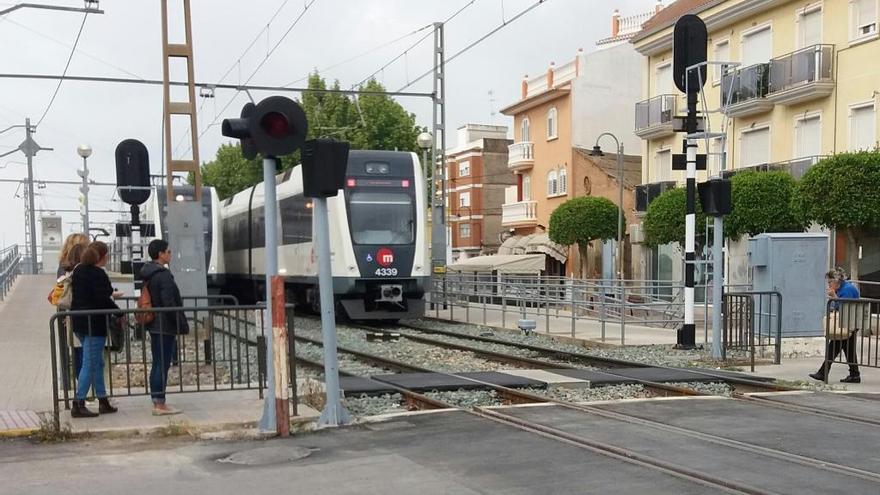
(145, 301)
(61, 295)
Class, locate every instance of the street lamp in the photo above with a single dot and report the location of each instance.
(85, 151)
(597, 151)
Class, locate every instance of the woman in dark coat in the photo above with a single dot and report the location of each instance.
(92, 291)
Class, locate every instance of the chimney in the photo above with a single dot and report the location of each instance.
(577, 62)
(524, 88)
(550, 75)
(659, 6)
(615, 23)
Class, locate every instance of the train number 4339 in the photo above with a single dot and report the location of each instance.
(386, 272)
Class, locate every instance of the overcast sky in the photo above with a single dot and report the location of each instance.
(126, 42)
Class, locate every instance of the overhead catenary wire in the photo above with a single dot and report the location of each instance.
(237, 62)
(477, 41)
(259, 66)
(64, 73)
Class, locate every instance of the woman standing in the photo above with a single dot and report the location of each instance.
(64, 265)
(92, 291)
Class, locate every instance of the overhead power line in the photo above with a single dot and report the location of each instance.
(66, 66)
(417, 43)
(477, 41)
(254, 41)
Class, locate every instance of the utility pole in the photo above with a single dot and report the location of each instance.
(30, 151)
(438, 216)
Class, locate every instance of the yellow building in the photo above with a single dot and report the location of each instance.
(806, 85)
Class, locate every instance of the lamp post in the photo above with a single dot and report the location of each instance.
(85, 151)
(597, 151)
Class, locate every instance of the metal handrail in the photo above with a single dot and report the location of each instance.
(816, 66)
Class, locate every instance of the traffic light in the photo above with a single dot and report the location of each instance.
(133, 170)
(274, 127)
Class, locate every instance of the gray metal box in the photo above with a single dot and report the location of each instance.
(794, 265)
(186, 237)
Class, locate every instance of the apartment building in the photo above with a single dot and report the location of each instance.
(477, 176)
(803, 84)
(559, 116)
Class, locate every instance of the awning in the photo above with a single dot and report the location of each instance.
(520, 246)
(501, 263)
(506, 247)
(541, 243)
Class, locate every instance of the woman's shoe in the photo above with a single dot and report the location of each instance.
(104, 406)
(78, 410)
(852, 379)
(817, 376)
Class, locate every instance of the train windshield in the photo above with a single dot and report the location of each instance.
(381, 218)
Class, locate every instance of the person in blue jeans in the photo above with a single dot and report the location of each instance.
(92, 290)
(167, 326)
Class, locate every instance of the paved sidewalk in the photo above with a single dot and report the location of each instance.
(25, 360)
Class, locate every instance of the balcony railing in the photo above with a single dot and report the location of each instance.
(742, 85)
(646, 193)
(813, 64)
(655, 111)
(520, 155)
(522, 212)
(797, 167)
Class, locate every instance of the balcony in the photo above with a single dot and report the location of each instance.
(645, 193)
(520, 213)
(520, 156)
(743, 91)
(797, 167)
(801, 76)
(654, 117)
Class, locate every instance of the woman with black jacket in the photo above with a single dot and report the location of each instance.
(92, 291)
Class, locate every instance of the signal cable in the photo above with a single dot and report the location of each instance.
(66, 66)
(478, 41)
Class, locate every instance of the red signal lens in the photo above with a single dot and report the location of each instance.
(275, 124)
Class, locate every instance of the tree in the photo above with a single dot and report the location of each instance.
(841, 193)
(665, 219)
(375, 122)
(762, 202)
(581, 220)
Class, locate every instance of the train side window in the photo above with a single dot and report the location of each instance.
(296, 220)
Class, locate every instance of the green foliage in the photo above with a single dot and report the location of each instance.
(664, 220)
(375, 122)
(841, 192)
(762, 202)
(583, 219)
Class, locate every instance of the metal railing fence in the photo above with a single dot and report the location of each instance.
(10, 259)
(649, 303)
(752, 321)
(852, 333)
(225, 349)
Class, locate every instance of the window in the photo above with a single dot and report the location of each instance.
(381, 218)
(862, 133)
(296, 219)
(464, 230)
(757, 46)
(552, 185)
(563, 181)
(464, 199)
(755, 147)
(527, 187)
(722, 54)
(809, 26)
(525, 134)
(863, 18)
(464, 169)
(808, 137)
(551, 123)
(665, 84)
(663, 160)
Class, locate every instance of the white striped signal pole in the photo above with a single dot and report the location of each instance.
(690, 228)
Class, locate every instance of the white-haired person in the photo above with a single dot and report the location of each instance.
(840, 336)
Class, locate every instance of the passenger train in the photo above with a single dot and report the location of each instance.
(378, 245)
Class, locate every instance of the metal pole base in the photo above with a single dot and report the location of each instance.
(334, 415)
(686, 338)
